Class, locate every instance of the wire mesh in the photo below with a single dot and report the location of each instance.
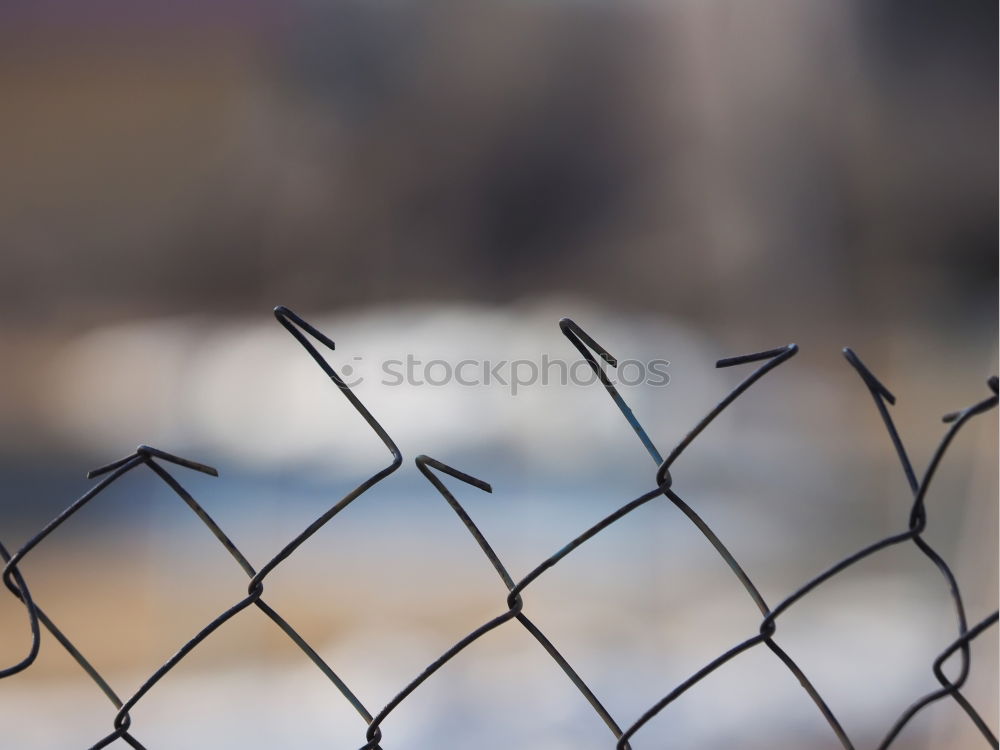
(622, 733)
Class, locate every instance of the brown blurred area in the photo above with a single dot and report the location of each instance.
(831, 161)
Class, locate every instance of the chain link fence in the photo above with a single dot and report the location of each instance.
(623, 731)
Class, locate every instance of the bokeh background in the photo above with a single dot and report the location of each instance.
(688, 179)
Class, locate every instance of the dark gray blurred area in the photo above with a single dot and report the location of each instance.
(827, 161)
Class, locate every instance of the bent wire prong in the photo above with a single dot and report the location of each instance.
(298, 328)
(773, 357)
(585, 345)
(880, 394)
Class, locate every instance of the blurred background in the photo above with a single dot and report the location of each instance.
(687, 179)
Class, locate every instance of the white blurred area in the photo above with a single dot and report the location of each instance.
(795, 475)
(246, 392)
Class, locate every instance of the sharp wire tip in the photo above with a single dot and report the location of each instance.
(873, 383)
